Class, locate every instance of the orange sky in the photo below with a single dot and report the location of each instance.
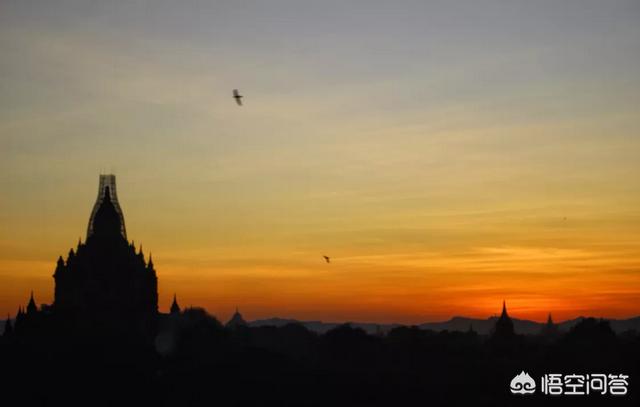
(538, 263)
(445, 157)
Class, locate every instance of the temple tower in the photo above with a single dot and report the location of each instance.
(106, 284)
(504, 324)
(175, 308)
(106, 188)
(236, 320)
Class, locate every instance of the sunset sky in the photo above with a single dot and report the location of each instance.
(447, 155)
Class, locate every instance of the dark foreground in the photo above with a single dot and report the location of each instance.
(194, 361)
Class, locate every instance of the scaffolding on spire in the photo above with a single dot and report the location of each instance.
(107, 181)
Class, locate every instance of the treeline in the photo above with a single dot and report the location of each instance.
(196, 361)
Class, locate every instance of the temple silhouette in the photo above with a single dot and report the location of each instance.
(504, 324)
(236, 320)
(105, 285)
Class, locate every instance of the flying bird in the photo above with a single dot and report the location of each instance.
(238, 97)
(327, 259)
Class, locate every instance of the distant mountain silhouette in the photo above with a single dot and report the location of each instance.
(323, 327)
(623, 325)
(482, 326)
(455, 324)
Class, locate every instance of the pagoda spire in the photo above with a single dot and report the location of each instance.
(107, 192)
(31, 307)
(175, 308)
(550, 329)
(504, 309)
(236, 320)
(504, 325)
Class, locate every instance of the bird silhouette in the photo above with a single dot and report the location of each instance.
(327, 259)
(238, 97)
